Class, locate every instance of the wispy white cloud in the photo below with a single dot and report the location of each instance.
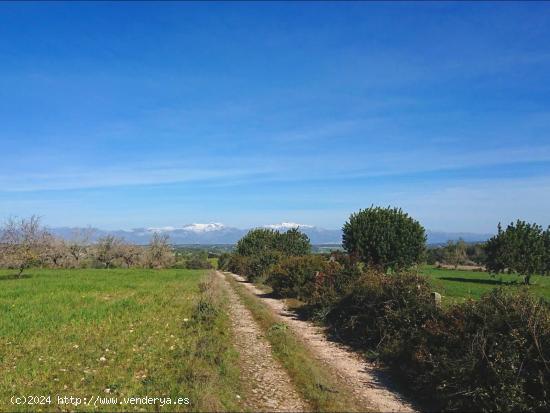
(384, 163)
(116, 177)
(243, 170)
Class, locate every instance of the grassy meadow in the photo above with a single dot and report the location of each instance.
(458, 286)
(113, 333)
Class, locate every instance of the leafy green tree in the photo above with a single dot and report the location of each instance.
(257, 241)
(293, 243)
(385, 238)
(519, 249)
(266, 247)
(262, 240)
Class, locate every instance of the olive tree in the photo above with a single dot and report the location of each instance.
(23, 243)
(520, 249)
(384, 238)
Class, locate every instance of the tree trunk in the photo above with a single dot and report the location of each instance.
(527, 279)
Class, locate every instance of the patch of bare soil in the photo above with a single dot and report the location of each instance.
(268, 385)
(364, 379)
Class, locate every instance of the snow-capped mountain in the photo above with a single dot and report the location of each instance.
(217, 233)
(287, 225)
(205, 233)
(214, 226)
(198, 228)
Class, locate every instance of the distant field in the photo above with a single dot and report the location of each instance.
(119, 333)
(457, 286)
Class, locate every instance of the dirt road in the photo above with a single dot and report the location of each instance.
(267, 384)
(364, 380)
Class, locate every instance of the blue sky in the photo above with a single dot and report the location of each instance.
(122, 115)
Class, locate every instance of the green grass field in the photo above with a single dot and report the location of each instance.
(458, 286)
(113, 333)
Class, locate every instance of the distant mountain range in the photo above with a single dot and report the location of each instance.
(217, 233)
(438, 237)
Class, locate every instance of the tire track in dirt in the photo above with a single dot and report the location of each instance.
(364, 380)
(267, 384)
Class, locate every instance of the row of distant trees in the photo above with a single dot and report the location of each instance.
(457, 253)
(25, 242)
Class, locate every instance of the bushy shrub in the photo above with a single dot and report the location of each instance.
(239, 264)
(264, 248)
(294, 277)
(197, 262)
(487, 355)
(383, 312)
(336, 280)
(223, 261)
(261, 266)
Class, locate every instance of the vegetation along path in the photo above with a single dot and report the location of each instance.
(367, 383)
(270, 386)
